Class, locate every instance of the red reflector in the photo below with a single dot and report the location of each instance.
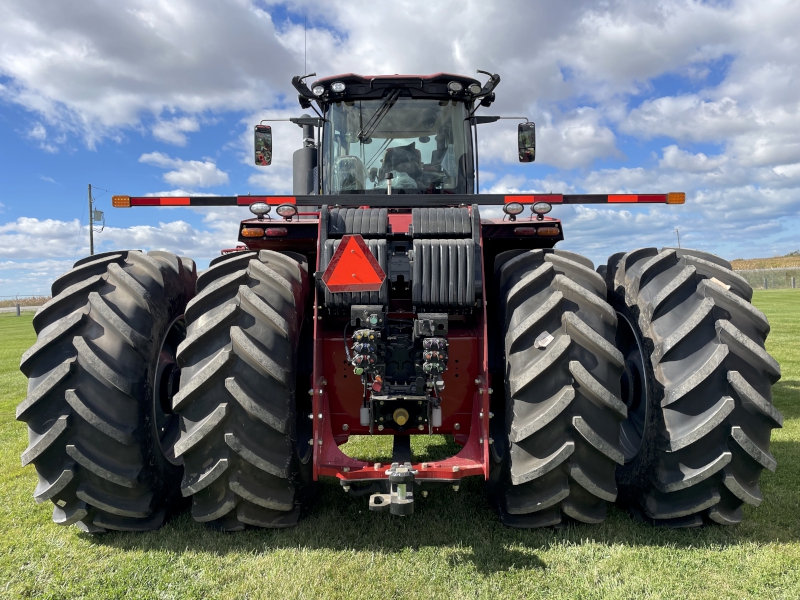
(271, 200)
(524, 230)
(168, 201)
(353, 268)
(276, 231)
(623, 198)
(551, 198)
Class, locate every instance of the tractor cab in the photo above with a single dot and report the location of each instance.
(401, 134)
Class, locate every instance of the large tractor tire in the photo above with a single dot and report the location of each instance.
(245, 431)
(697, 385)
(555, 432)
(100, 377)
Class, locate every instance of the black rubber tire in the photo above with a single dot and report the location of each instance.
(708, 384)
(92, 375)
(555, 440)
(245, 438)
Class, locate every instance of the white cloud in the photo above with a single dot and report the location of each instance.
(188, 173)
(38, 132)
(681, 160)
(95, 68)
(575, 140)
(173, 131)
(46, 240)
(688, 118)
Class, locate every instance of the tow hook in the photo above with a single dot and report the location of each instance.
(400, 499)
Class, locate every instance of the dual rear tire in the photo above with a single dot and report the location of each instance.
(647, 385)
(143, 397)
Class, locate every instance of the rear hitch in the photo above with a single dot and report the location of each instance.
(400, 499)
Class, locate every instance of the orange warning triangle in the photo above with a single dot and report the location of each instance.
(353, 268)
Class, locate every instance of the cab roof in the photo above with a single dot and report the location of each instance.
(375, 86)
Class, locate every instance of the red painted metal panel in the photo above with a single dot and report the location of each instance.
(344, 389)
(400, 222)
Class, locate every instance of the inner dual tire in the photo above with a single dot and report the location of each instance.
(245, 429)
(555, 432)
(697, 385)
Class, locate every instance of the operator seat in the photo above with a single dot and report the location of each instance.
(406, 159)
(349, 174)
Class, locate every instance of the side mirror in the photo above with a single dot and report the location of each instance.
(526, 140)
(263, 145)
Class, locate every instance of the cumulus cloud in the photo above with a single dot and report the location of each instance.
(187, 173)
(31, 239)
(94, 68)
(688, 118)
(174, 131)
(681, 160)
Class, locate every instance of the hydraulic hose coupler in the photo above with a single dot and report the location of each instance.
(434, 355)
(364, 349)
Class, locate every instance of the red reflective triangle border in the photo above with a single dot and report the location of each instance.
(353, 268)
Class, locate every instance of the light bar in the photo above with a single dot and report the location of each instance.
(401, 200)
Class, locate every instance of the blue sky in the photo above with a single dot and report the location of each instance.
(149, 96)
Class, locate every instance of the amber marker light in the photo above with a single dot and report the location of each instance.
(548, 231)
(253, 231)
(676, 198)
(121, 201)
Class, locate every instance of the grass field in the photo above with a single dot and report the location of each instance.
(453, 547)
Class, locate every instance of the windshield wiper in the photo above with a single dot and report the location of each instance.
(375, 120)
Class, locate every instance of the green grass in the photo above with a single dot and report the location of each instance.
(453, 547)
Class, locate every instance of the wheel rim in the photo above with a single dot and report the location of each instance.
(167, 382)
(634, 389)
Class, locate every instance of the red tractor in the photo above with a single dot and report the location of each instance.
(375, 300)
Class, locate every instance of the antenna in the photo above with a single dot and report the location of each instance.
(305, 44)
